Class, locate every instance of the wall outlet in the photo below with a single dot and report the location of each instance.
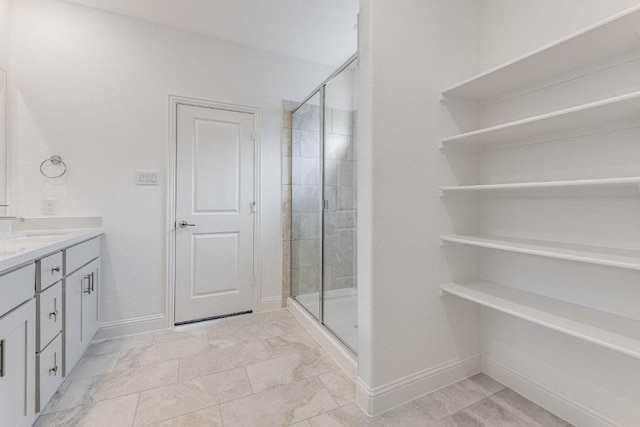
(49, 207)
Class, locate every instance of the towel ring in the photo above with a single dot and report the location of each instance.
(54, 160)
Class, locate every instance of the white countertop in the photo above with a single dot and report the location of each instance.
(23, 247)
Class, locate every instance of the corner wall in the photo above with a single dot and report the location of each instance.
(412, 341)
(94, 88)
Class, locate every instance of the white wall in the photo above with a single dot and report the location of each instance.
(5, 34)
(5, 6)
(411, 340)
(93, 87)
(511, 28)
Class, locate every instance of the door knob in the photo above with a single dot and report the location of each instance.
(185, 224)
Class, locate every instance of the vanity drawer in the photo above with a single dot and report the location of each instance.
(49, 309)
(17, 287)
(48, 372)
(49, 271)
(82, 254)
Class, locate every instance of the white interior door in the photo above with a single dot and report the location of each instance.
(214, 213)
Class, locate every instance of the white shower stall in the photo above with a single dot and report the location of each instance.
(323, 204)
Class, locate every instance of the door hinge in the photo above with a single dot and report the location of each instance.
(253, 207)
(254, 136)
(253, 280)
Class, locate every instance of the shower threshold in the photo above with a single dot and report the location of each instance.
(340, 313)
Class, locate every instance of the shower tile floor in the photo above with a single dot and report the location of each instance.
(254, 370)
(340, 313)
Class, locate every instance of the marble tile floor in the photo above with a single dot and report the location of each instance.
(254, 370)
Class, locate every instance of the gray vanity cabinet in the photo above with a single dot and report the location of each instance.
(48, 317)
(81, 290)
(74, 286)
(90, 322)
(17, 347)
(49, 320)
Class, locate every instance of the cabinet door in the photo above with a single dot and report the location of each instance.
(90, 302)
(74, 345)
(17, 366)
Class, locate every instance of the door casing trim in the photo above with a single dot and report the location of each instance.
(174, 102)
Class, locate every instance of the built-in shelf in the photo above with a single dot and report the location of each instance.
(610, 257)
(607, 187)
(619, 109)
(607, 39)
(617, 333)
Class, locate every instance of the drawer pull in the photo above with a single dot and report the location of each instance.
(54, 370)
(3, 346)
(54, 313)
(55, 270)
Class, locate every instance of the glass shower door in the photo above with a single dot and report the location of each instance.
(323, 205)
(340, 293)
(306, 205)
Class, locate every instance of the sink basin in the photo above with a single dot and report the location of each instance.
(10, 247)
(9, 251)
(42, 233)
(27, 241)
(23, 241)
(38, 235)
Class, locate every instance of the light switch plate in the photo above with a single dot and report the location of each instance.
(147, 178)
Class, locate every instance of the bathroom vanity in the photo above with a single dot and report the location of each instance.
(49, 287)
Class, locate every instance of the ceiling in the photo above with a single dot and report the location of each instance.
(321, 31)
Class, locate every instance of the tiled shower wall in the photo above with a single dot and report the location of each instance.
(286, 199)
(301, 228)
(340, 190)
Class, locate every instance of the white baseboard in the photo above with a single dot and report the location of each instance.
(329, 343)
(270, 304)
(137, 325)
(564, 407)
(133, 326)
(381, 399)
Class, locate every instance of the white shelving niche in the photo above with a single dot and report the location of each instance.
(608, 257)
(613, 41)
(593, 116)
(613, 332)
(613, 37)
(586, 187)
